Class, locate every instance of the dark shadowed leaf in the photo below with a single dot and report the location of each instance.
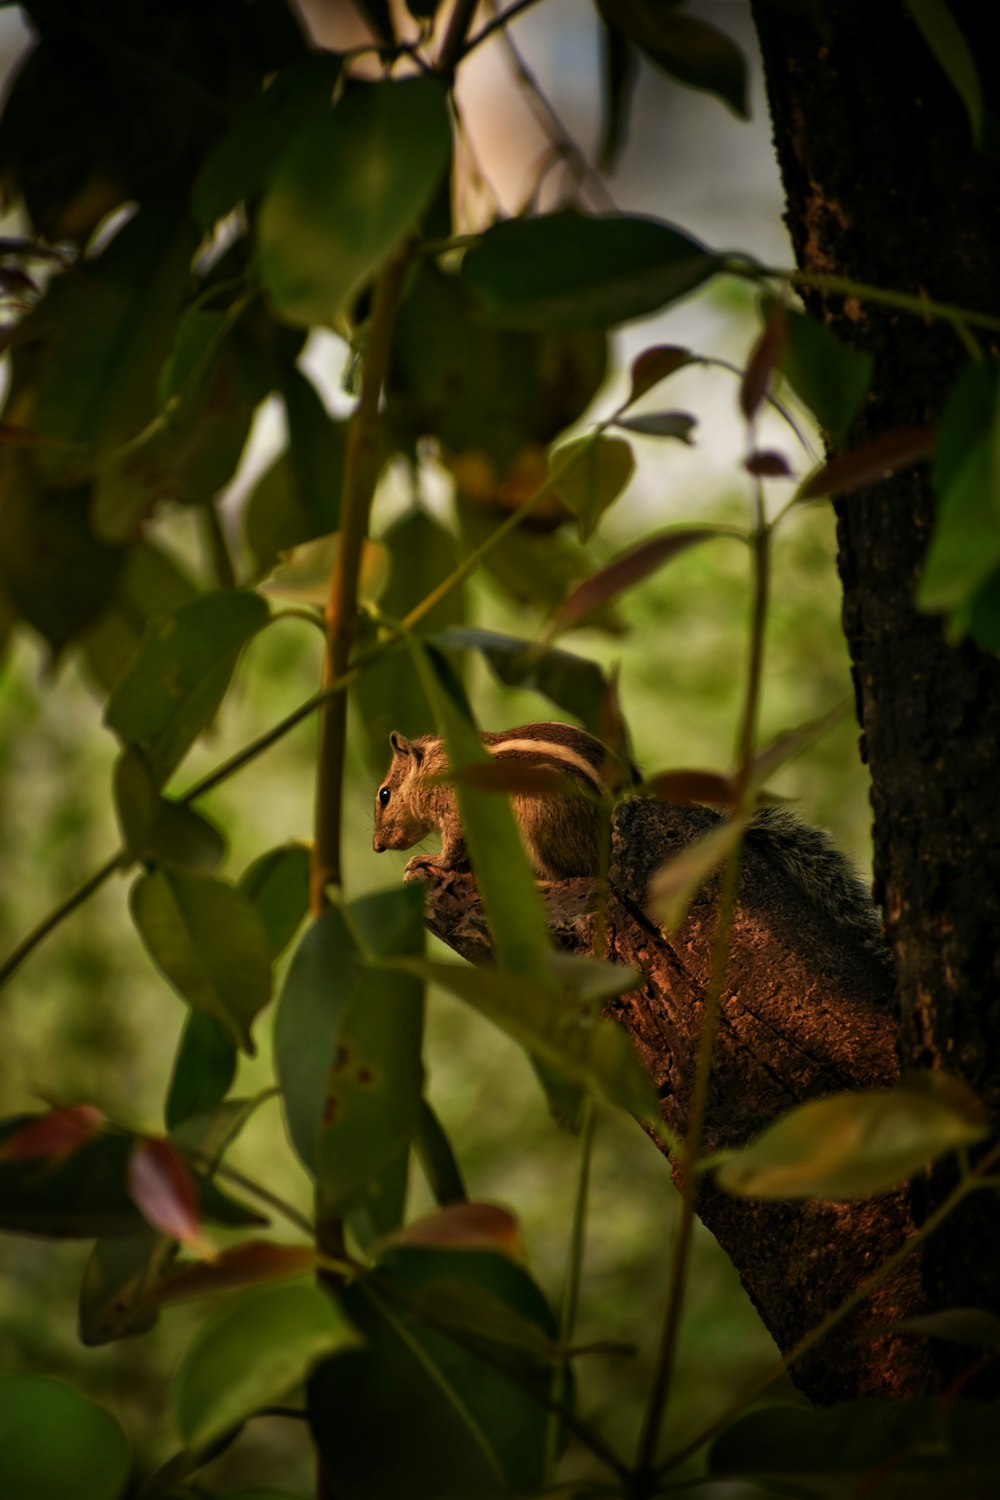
(86, 1195)
(664, 424)
(463, 1226)
(849, 1145)
(117, 1283)
(959, 1325)
(629, 569)
(965, 548)
(618, 72)
(829, 376)
(161, 1186)
(240, 163)
(943, 36)
(373, 1088)
(54, 1443)
(208, 939)
(570, 682)
(866, 465)
(204, 1069)
(150, 584)
(278, 885)
(55, 1135)
(156, 829)
(568, 270)
(253, 1354)
(558, 1026)
(588, 475)
(763, 360)
(243, 1265)
(460, 1426)
(689, 49)
(176, 680)
(654, 365)
(674, 885)
(346, 191)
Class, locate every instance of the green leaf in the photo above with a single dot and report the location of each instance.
(568, 270)
(503, 874)
(459, 1426)
(389, 695)
(570, 682)
(943, 36)
(850, 1145)
(965, 548)
(831, 378)
(926, 1444)
(690, 50)
(157, 830)
(345, 193)
(55, 1443)
(204, 1069)
(109, 327)
(317, 986)
(181, 671)
(556, 1024)
(209, 941)
(239, 165)
(959, 1325)
(278, 885)
(150, 584)
(118, 1279)
(56, 575)
(373, 1089)
(984, 613)
(254, 1354)
(85, 1195)
(589, 474)
(492, 397)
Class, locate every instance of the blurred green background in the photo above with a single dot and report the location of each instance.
(88, 1018)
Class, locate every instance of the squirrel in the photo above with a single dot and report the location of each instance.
(562, 834)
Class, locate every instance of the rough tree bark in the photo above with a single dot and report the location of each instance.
(883, 185)
(806, 1012)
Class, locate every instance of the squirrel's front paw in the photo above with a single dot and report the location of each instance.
(422, 867)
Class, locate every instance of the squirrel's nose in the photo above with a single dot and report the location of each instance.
(378, 845)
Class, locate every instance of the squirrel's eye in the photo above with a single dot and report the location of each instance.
(383, 796)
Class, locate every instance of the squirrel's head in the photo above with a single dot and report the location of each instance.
(400, 819)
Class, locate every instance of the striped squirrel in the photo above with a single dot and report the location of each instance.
(562, 834)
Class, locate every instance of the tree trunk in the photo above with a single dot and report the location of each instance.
(806, 1011)
(884, 185)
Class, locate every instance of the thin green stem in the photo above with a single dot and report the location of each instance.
(257, 1190)
(76, 898)
(822, 281)
(574, 1273)
(358, 490)
(218, 547)
(659, 1392)
(453, 45)
(816, 1335)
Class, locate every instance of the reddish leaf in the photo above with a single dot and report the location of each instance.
(769, 464)
(21, 437)
(762, 362)
(462, 1226)
(876, 460)
(691, 786)
(654, 365)
(511, 776)
(57, 1134)
(605, 585)
(242, 1265)
(790, 742)
(162, 1188)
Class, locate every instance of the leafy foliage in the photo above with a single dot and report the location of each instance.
(202, 191)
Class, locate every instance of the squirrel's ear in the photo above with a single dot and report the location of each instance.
(400, 744)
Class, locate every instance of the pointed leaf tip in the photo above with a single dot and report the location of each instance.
(163, 1190)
